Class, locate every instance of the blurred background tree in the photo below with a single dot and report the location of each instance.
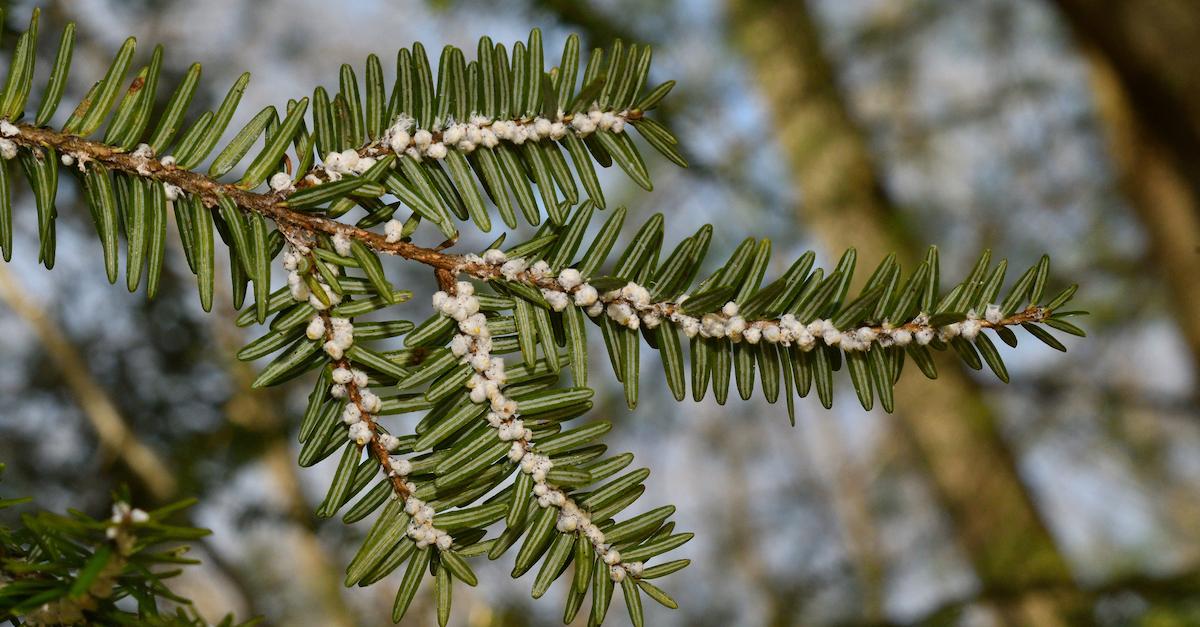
(1060, 125)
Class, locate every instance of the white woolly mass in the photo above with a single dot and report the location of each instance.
(423, 139)
(473, 347)
(361, 433)
(334, 351)
(420, 527)
(460, 307)
(512, 268)
(402, 137)
(8, 149)
(539, 269)
(281, 182)
(393, 231)
(341, 338)
(298, 288)
(436, 151)
(122, 513)
(316, 328)
(558, 300)
(357, 415)
(586, 296)
(631, 306)
(400, 467)
(351, 414)
(338, 164)
(993, 314)
(569, 279)
(389, 442)
(330, 295)
(341, 375)
(370, 402)
(341, 244)
(494, 256)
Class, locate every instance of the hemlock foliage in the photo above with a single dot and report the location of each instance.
(499, 374)
(74, 569)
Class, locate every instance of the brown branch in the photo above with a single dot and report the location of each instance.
(375, 448)
(445, 280)
(274, 206)
(269, 205)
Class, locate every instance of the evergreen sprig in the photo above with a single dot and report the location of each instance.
(493, 442)
(74, 569)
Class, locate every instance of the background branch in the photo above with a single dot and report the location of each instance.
(116, 439)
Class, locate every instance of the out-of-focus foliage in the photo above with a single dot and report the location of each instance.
(75, 569)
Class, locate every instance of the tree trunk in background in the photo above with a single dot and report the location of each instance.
(1153, 47)
(951, 427)
(118, 441)
(1147, 91)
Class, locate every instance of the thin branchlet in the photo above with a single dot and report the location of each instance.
(298, 225)
(209, 190)
(360, 414)
(631, 306)
(473, 344)
(353, 392)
